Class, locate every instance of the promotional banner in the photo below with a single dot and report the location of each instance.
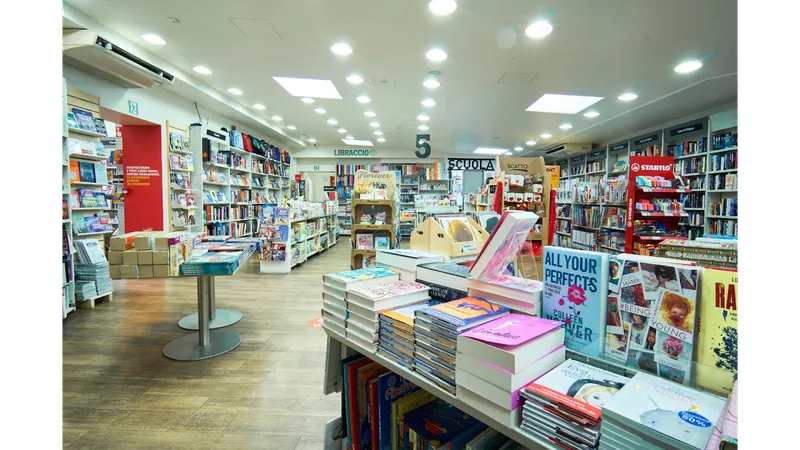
(143, 181)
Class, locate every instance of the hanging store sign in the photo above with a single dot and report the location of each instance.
(686, 129)
(597, 153)
(618, 147)
(423, 142)
(645, 140)
(470, 164)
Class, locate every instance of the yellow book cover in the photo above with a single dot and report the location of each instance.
(399, 409)
(717, 346)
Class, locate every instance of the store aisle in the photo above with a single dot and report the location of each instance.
(121, 392)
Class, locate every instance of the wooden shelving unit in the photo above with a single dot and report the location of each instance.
(389, 229)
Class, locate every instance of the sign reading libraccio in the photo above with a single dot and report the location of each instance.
(356, 153)
(470, 164)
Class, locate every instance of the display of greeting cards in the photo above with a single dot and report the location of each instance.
(382, 243)
(364, 241)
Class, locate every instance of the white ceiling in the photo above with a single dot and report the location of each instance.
(492, 74)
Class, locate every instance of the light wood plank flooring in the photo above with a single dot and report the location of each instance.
(121, 392)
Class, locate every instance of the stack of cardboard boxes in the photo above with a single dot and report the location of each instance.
(148, 254)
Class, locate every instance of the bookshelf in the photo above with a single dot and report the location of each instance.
(687, 143)
(722, 207)
(308, 233)
(182, 195)
(67, 249)
(360, 255)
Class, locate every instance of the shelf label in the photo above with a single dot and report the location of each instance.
(562, 162)
(577, 158)
(645, 140)
(329, 188)
(470, 164)
(471, 247)
(597, 153)
(686, 129)
(618, 147)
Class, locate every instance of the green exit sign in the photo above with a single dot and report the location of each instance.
(316, 168)
(133, 107)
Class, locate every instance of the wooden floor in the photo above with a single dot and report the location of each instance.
(120, 391)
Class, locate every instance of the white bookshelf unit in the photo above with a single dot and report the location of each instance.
(307, 236)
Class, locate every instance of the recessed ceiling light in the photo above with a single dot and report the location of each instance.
(378, 133)
(363, 99)
(320, 111)
(277, 118)
(370, 114)
(307, 100)
(291, 127)
(442, 7)
(423, 128)
(546, 135)
(342, 130)
(154, 39)
(349, 136)
(539, 29)
(202, 69)
(350, 141)
(428, 103)
(374, 124)
(259, 107)
(430, 83)
(308, 87)
(355, 79)
(508, 153)
(312, 140)
(565, 126)
(517, 149)
(235, 91)
(490, 151)
(628, 96)
(530, 143)
(341, 49)
(688, 66)
(333, 121)
(423, 118)
(380, 139)
(591, 114)
(562, 104)
(436, 55)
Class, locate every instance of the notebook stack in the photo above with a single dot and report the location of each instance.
(653, 413)
(448, 281)
(563, 406)
(496, 360)
(405, 261)
(97, 274)
(436, 331)
(437, 424)
(396, 340)
(334, 294)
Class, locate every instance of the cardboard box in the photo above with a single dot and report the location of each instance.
(143, 242)
(164, 241)
(146, 271)
(124, 241)
(114, 271)
(129, 257)
(160, 271)
(145, 257)
(129, 271)
(114, 257)
(160, 257)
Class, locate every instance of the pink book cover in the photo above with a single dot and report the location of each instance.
(512, 330)
(727, 427)
(518, 283)
(394, 289)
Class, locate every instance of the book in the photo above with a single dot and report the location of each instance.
(381, 243)
(362, 433)
(359, 278)
(464, 313)
(576, 293)
(175, 142)
(503, 245)
(665, 411)
(399, 409)
(718, 330)
(404, 315)
(389, 295)
(505, 379)
(443, 293)
(390, 388)
(436, 423)
(349, 367)
(373, 414)
(71, 121)
(86, 172)
(84, 119)
(406, 259)
(451, 275)
(364, 241)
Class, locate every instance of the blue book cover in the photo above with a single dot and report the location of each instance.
(576, 293)
(85, 119)
(390, 387)
(465, 312)
(438, 422)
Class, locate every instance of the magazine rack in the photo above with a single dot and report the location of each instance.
(431, 237)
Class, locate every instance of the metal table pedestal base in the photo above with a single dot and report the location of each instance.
(187, 348)
(222, 318)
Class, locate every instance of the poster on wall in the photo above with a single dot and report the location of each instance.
(143, 181)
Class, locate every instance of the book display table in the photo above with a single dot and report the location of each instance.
(207, 344)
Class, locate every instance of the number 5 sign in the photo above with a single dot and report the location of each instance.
(422, 143)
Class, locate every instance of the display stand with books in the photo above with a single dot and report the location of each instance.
(67, 247)
(183, 198)
(375, 216)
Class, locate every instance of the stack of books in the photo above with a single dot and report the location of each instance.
(335, 311)
(496, 360)
(436, 331)
(97, 274)
(564, 405)
(405, 261)
(438, 424)
(85, 290)
(653, 413)
(396, 340)
(448, 281)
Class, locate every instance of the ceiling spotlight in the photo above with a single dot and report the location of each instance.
(235, 91)
(380, 139)
(423, 128)
(430, 83)
(530, 143)
(591, 114)
(291, 127)
(565, 126)
(363, 99)
(355, 79)
(374, 124)
(508, 153)
(546, 135)
(154, 39)
(436, 55)
(341, 49)
(277, 118)
(320, 111)
(342, 130)
(378, 133)
(333, 121)
(259, 107)
(370, 114)
(202, 69)
(490, 151)
(688, 66)
(349, 136)
(442, 7)
(628, 96)
(307, 100)
(517, 149)
(312, 140)
(428, 103)
(539, 29)
(423, 118)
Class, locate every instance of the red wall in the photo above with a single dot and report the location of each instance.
(143, 161)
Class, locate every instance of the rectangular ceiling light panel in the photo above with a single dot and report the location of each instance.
(307, 87)
(357, 142)
(490, 151)
(562, 104)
